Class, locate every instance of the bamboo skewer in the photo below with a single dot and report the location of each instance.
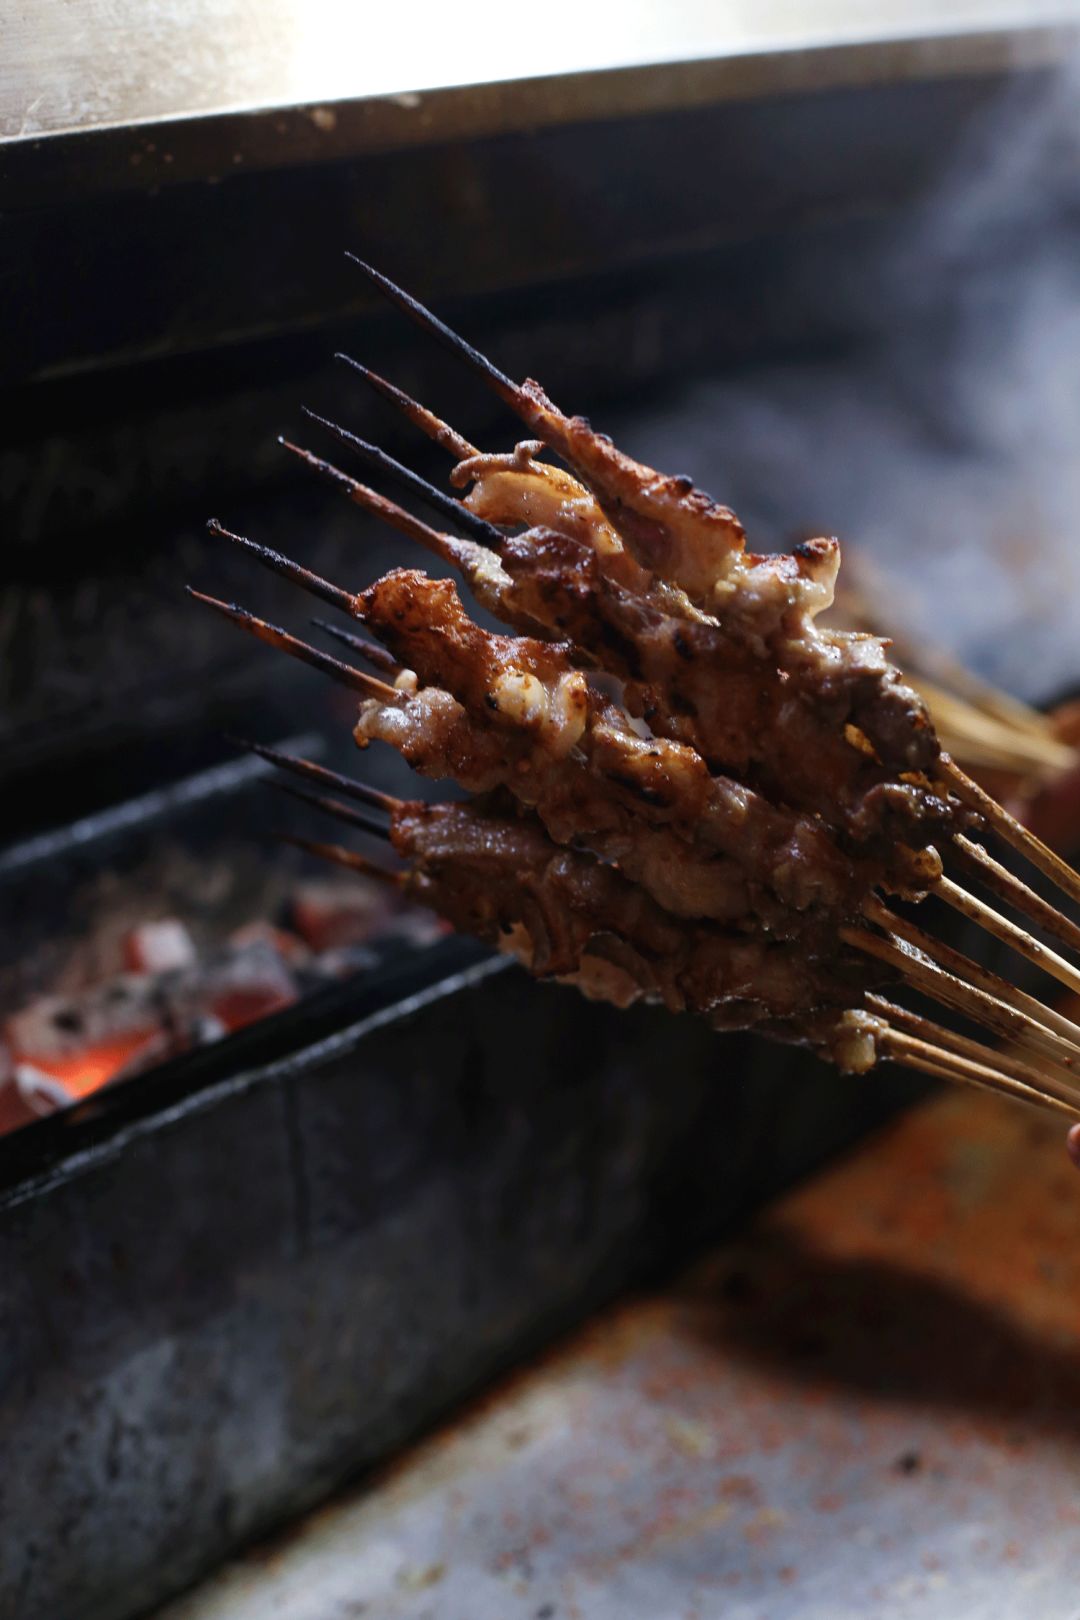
(295, 572)
(960, 701)
(1008, 887)
(447, 505)
(507, 391)
(1023, 841)
(925, 975)
(934, 1060)
(960, 1045)
(442, 545)
(314, 772)
(349, 858)
(352, 814)
(436, 429)
(274, 636)
(989, 740)
(948, 678)
(370, 651)
(1017, 938)
(961, 967)
(993, 728)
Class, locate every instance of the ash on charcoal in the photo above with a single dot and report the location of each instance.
(130, 997)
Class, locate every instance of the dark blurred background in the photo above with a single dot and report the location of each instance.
(833, 278)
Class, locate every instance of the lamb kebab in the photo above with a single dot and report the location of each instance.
(684, 789)
(499, 877)
(807, 743)
(515, 713)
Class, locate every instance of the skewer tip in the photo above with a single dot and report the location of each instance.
(295, 572)
(446, 505)
(352, 815)
(378, 657)
(503, 386)
(434, 427)
(340, 856)
(233, 609)
(274, 636)
(312, 770)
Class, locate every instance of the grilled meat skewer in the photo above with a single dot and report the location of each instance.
(684, 789)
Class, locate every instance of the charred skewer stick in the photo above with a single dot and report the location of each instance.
(479, 363)
(295, 572)
(419, 415)
(292, 571)
(312, 771)
(274, 636)
(368, 498)
(350, 813)
(466, 555)
(369, 651)
(446, 505)
(340, 856)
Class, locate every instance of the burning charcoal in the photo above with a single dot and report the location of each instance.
(416, 927)
(165, 1044)
(252, 984)
(138, 1019)
(329, 915)
(26, 1094)
(343, 961)
(289, 946)
(159, 947)
(233, 988)
(206, 1029)
(86, 1040)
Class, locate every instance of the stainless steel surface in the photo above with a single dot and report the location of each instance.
(416, 74)
(863, 1409)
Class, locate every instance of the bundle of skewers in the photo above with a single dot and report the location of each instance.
(681, 787)
(1024, 753)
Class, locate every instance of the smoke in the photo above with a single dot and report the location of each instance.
(948, 453)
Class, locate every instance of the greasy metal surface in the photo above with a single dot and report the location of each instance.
(251, 250)
(865, 1408)
(128, 63)
(361, 84)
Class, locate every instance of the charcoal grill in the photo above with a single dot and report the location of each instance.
(232, 1284)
